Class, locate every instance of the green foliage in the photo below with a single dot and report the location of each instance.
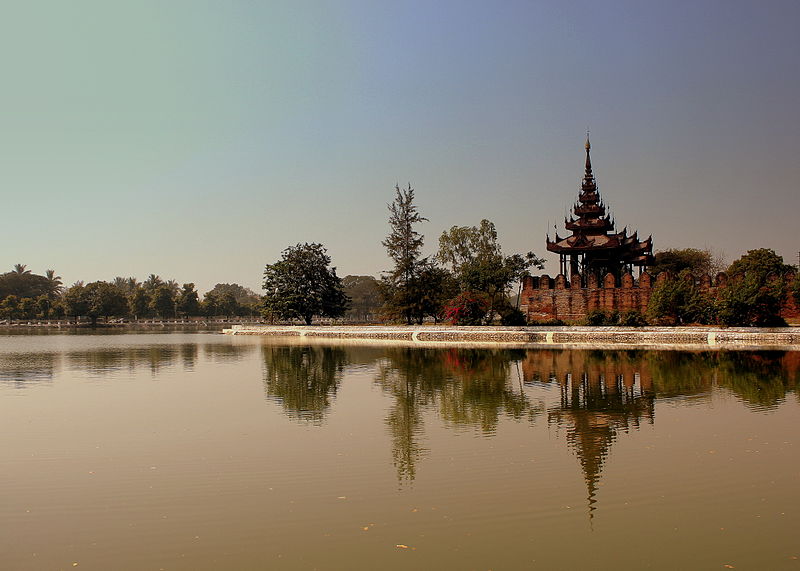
(364, 293)
(760, 263)
(597, 317)
(75, 301)
(629, 318)
(751, 300)
(477, 262)
(188, 303)
(9, 307)
(162, 301)
(402, 289)
(512, 316)
(756, 289)
(27, 308)
(547, 322)
(698, 262)
(43, 306)
(301, 285)
(139, 302)
(234, 299)
(23, 284)
(152, 283)
(54, 284)
(103, 299)
(632, 318)
(679, 301)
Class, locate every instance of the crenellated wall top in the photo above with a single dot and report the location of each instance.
(609, 281)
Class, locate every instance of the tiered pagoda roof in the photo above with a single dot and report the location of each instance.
(593, 231)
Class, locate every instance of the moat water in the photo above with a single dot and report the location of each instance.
(204, 451)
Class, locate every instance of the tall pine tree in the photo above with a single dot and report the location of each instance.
(404, 246)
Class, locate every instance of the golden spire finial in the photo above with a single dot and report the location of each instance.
(588, 145)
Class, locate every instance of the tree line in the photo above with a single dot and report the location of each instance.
(25, 295)
(468, 281)
(758, 285)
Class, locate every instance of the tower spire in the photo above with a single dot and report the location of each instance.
(588, 173)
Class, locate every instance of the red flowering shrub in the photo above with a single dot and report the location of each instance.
(467, 308)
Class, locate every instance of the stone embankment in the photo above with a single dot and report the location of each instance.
(784, 338)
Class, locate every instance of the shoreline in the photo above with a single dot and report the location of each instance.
(586, 337)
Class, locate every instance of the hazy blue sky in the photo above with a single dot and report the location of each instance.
(196, 140)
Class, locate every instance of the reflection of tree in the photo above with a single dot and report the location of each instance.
(221, 352)
(302, 379)
(760, 379)
(482, 389)
(104, 360)
(470, 387)
(21, 368)
(679, 373)
(189, 355)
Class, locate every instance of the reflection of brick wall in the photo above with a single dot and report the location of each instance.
(571, 300)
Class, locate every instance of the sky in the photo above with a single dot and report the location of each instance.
(196, 140)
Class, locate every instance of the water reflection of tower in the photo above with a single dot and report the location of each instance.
(601, 394)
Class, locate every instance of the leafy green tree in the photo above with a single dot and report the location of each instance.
(301, 285)
(678, 301)
(57, 309)
(43, 305)
(138, 302)
(75, 301)
(431, 289)
(211, 305)
(126, 285)
(162, 301)
(9, 307)
(756, 289)
(103, 299)
(404, 246)
(228, 305)
(152, 283)
(365, 296)
(27, 308)
(20, 270)
(188, 302)
(476, 259)
(245, 300)
(749, 300)
(697, 261)
(761, 263)
(22, 284)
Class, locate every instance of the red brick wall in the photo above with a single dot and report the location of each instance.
(545, 298)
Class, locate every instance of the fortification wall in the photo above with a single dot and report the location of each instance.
(544, 298)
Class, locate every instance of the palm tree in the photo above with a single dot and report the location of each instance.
(19, 269)
(152, 282)
(173, 287)
(54, 284)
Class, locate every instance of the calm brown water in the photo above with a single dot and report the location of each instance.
(201, 451)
